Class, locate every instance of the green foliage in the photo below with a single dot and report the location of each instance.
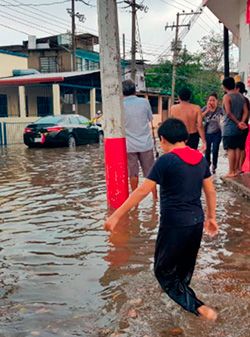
(212, 51)
(190, 73)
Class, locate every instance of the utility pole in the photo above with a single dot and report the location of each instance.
(81, 18)
(226, 52)
(123, 47)
(176, 46)
(134, 6)
(112, 104)
(73, 37)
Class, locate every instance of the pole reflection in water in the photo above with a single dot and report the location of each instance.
(63, 275)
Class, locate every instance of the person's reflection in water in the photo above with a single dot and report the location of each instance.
(126, 245)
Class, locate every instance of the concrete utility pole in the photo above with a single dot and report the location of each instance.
(73, 32)
(112, 101)
(135, 7)
(176, 46)
(226, 52)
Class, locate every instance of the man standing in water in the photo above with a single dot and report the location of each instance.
(138, 115)
(181, 173)
(191, 116)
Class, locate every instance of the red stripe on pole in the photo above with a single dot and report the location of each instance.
(248, 12)
(116, 171)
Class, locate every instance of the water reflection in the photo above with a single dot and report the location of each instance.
(63, 275)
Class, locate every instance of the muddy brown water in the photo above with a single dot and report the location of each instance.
(61, 274)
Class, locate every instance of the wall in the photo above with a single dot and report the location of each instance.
(244, 63)
(32, 93)
(10, 62)
(12, 99)
(11, 129)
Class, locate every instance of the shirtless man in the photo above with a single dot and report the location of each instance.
(191, 116)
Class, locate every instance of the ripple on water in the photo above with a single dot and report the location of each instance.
(62, 275)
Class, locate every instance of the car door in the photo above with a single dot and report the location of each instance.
(89, 132)
(76, 129)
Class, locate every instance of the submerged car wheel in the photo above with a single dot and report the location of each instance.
(71, 141)
(101, 137)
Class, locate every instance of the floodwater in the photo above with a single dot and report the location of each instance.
(61, 274)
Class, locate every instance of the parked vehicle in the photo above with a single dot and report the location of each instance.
(62, 130)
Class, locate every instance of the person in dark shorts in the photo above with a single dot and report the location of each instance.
(191, 116)
(236, 112)
(138, 115)
(240, 87)
(181, 172)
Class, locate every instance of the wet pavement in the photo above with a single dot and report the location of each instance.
(61, 274)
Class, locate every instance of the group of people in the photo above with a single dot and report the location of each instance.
(182, 172)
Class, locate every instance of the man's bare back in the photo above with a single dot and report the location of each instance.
(189, 113)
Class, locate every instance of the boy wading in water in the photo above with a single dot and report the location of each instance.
(181, 172)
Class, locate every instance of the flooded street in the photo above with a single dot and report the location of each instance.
(62, 275)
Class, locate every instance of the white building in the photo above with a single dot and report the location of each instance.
(235, 15)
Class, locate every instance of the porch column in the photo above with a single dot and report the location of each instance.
(56, 99)
(92, 103)
(160, 107)
(22, 101)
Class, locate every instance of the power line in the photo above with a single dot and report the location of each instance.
(9, 27)
(36, 5)
(55, 18)
(16, 19)
(40, 19)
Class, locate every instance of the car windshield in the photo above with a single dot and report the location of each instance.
(83, 120)
(49, 120)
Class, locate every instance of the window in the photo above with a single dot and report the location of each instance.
(49, 120)
(84, 120)
(86, 65)
(3, 106)
(48, 64)
(74, 120)
(44, 106)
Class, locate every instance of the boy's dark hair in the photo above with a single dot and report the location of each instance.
(173, 130)
(229, 83)
(185, 94)
(128, 88)
(213, 94)
(241, 87)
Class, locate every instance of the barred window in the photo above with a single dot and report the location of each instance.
(48, 64)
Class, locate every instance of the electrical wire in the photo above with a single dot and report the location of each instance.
(36, 5)
(40, 19)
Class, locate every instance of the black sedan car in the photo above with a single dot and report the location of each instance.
(62, 130)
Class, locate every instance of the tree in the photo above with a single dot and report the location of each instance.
(212, 51)
(190, 73)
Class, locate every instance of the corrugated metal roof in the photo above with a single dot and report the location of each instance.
(44, 77)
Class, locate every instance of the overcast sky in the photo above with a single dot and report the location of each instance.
(53, 19)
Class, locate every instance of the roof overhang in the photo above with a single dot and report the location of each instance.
(44, 78)
(228, 14)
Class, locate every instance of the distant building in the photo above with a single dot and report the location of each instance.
(10, 61)
(53, 53)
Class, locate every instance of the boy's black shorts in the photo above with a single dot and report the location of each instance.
(232, 142)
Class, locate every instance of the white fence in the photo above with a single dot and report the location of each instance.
(11, 130)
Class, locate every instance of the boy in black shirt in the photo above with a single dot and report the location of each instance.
(181, 172)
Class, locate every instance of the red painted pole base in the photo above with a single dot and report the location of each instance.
(246, 165)
(116, 168)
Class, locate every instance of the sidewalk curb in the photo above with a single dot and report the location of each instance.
(235, 185)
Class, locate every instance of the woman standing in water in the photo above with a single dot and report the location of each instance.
(212, 114)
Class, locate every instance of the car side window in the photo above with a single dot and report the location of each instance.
(84, 120)
(74, 120)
